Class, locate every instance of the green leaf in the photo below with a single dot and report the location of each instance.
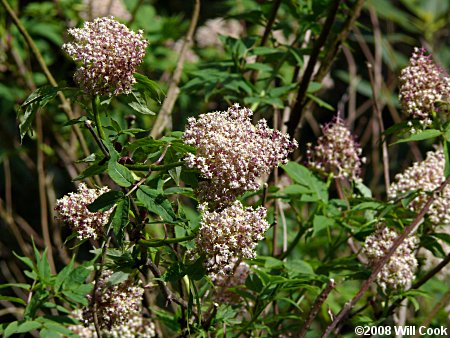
(298, 267)
(320, 102)
(63, 274)
(139, 104)
(11, 329)
(17, 285)
(119, 219)
(94, 169)
(156, 202)
(151, 87)
(27, 326)
(174, 272)
(316, 189)
(120, 174)
(49, 333)
(27, 111)
(105, 201)
(421, 135)
(117, 277)
(13, 299)
(320, 223)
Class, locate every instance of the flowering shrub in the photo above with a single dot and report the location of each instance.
(185, 188)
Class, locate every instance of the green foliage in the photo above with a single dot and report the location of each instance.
(317, 228)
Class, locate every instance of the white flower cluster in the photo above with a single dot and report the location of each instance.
(398, 272)
(336, 152)
(116, 304)
(237, 277)
(108, 54)
(229, 235)
(232, 153)
(98, 8)
(422, 84)
(425, 177)
(72, 209)
(136, 327)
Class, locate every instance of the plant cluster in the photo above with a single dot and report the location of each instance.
(256, 219)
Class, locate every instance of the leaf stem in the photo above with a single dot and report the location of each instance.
(98, 121)
(153, 167)
(165, 241)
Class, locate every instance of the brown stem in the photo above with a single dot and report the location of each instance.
(326, 63)
(316, 307)
(377, 268)
(307, 75)
(42, 194)
(375, 91)
(164, 118)
(443, 302)
(265, 37)
(168, 295)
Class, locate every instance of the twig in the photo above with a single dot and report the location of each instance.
(169, 295)
(164, 117)
(307, 75)
(65, 103)
(98, 121)
(443, 302)
(377, 268)
(316, 307)
(42, 194)
(153, 167)
(325, 65)
(164, 241)
(267, 30)
(98, 273)
(375, 82)
(88, 125)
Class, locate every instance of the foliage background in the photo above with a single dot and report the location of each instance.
(214, 76)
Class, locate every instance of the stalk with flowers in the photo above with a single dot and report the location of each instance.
(178, 235)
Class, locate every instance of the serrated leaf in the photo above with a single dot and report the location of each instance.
(27, 111)
(105, 201)
(94, 169)
(301, 175)
(63, 274)
(151, 87)
(13, 299)
(156, 202)
(420, 136)
(120, 174)
(17, 285)
(117, 277)
(119, 219)
(139, 104)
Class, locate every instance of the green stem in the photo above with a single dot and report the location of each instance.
(165, 241)
(98, 121)
(153, 167)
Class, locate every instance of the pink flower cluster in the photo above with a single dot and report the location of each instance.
(425, 177)
(108, 54)
(232, 153)
(398, 272)
(336, 152)
(229, 235)
(422, 84)
(72, 209)
(115, 304)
